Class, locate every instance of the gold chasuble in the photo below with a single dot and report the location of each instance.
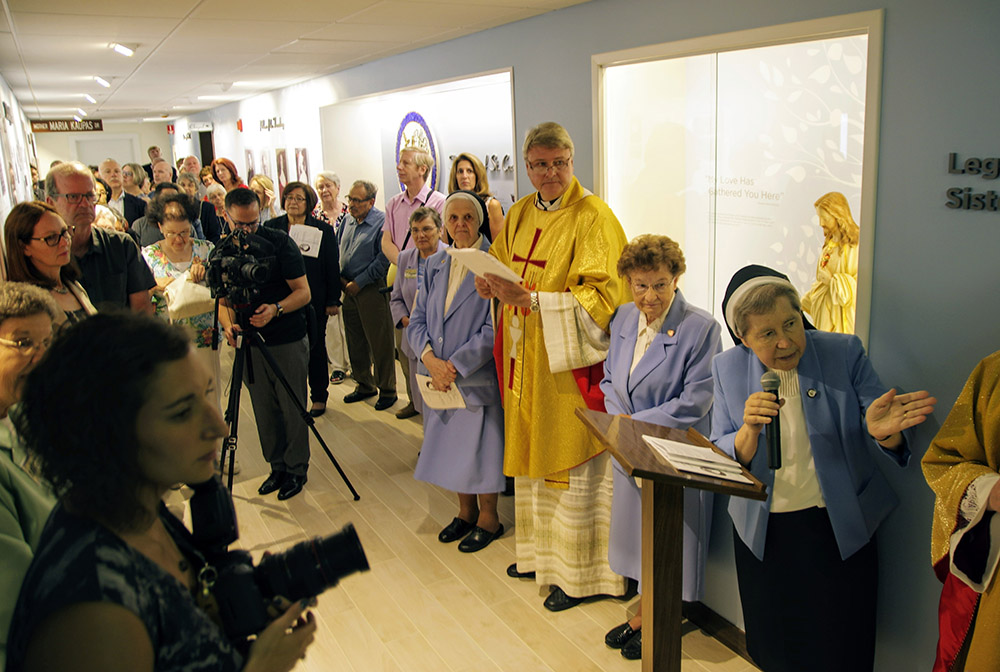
(576, 249)
(966, 447)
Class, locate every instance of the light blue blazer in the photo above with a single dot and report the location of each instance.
(672, 384)
(837, 383)
(463, 335)
(403, 291)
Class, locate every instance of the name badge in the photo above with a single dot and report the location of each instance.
(410, 273)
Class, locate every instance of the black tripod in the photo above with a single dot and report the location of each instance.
(249, 337)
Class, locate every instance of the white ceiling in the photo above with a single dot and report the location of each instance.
(50, 50)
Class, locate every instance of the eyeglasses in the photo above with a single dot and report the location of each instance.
(357, 201)
(661, 288)
(423, 230)
(295, 199)
(26, 346)
(245, 225)
(53, 238)
(542, 167)
(74, 199)
(182, 236)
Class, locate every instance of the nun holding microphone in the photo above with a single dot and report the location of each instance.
(806, 558)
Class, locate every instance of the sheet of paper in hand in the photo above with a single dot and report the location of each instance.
(481, 263)
(439, 401)
(307, 238)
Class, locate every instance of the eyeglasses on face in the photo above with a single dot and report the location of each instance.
(26, 346)
(183, 236)
(53, 238)
(422, 230)
(661, 288)
(541, 167)
(74, 199)
(358, 201)
(295, 199)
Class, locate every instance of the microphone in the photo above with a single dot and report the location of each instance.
(770, 382)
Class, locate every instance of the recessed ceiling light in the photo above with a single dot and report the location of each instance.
(89, 98)
(103, 82)
(76, 118)
(122, 49)
(80, 111)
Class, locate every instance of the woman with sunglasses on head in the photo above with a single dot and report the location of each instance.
(38, 252)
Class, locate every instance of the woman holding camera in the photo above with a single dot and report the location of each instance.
(114, 584)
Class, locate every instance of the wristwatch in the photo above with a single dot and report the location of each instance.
(280, 309)
(535, 307)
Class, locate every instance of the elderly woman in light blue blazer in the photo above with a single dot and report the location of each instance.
(451, 330)
(659, 370)
(806, 559)
(425, 230)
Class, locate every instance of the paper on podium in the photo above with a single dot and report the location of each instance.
(481, 263)
(439, 401)
(697, 460)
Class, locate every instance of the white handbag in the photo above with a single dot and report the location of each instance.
(187, 299)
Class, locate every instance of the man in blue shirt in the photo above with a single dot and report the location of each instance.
(367, 320)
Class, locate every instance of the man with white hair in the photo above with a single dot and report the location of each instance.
(128, 206)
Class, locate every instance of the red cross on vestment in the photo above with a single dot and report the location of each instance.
(528, 261)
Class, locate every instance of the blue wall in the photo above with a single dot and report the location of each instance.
(935, 303)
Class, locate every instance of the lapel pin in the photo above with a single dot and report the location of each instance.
(811, 393)
(670, 332)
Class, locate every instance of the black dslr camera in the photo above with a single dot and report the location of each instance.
(242, 591)
(238, 266)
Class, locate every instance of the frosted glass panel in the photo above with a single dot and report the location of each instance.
(726, 153)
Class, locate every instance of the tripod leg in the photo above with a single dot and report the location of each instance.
(232, 416)
(303, 413)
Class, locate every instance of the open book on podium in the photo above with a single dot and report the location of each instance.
(668, 460)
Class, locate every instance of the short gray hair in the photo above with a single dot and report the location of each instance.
(64, 169)
(19, 299)
(760, 299)
(328, 175)
(371, 191)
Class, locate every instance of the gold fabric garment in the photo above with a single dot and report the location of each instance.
(966, 447)
(576, 249)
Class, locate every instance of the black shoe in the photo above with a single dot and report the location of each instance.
(316, 412)
(633, 647)
(359, 395)
(560, 601)
(618, 635)
(292, 486)
(455, 530)
(479, 539)
(385, 402)
(337, 377)
(514, 574)
(272, 483)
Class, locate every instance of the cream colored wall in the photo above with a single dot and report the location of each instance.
(52, 146)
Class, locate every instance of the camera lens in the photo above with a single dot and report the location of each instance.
(310, 567)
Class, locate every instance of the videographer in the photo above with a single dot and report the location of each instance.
(114, 584)
(278, 316)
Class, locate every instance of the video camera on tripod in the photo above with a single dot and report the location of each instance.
(238, 266)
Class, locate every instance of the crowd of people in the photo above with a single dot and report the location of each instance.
(595, 321)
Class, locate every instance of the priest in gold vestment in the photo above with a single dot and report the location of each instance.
(551, 332)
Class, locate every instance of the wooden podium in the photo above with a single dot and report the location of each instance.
(662, 524)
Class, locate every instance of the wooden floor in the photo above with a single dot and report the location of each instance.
(423, 605)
